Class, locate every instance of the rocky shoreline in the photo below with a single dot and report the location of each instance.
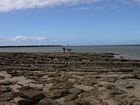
(68, 79)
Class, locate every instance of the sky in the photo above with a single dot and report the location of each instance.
(73, 22)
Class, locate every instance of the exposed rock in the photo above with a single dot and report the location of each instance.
(116, 91)
(54, 75)
(4, 89)
(31, 95)
(58, 93)
(88, 82)
(70, 97)
(75, 91)
(137, 75)
(136, 103)
(62, 85)
(80, 102)
(6, 83)
(25, 88)
(6, 96)
(6, 103)
(129, 87)
(47, 102)
(2, 77)
(69, 79)
(121, 102)
(26, 102)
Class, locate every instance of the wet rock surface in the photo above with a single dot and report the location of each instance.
(68, 79)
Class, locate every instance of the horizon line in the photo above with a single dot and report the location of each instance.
(55, 45)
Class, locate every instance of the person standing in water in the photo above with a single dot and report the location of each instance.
(64, 49)
(68, 49)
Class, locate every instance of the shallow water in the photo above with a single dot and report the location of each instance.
(131, 52)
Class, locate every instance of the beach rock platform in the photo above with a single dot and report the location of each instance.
(68, 79)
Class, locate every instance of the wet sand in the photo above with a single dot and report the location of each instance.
(68, 79)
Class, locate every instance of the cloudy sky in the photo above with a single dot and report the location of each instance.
(74, 22)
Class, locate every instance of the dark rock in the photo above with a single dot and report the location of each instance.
(58, 93)
(136, 103)
(24, 88)
(48, 102)
(70, 103)
(4, 89)
(88, 82)
(116, 92)
(2, 77)
(129, 87)
(80, 102)
(75, 91)
(121, 102)
(32, 95)
(6, 103)
(54, 75)
(93, 92)
(6, 83)
(70, 97)
(113, 90)
(105, 103)
(111, 79)
(137, 75)
(6, 96)
(62, 85)
(26, 102)
(110, 86)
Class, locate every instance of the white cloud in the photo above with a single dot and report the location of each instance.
(83, 8)
(28, 38)
(24, 40)
(18, 38)
(8, 5)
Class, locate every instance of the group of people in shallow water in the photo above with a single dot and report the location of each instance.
(66, 49)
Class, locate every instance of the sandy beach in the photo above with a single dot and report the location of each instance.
(68, 79)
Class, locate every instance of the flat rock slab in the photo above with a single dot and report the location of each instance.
(32, 95)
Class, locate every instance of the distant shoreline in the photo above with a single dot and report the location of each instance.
(31, 46)
(60, 45)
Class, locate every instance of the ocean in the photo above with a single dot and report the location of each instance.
(127, 51)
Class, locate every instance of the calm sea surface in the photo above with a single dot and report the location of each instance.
(131, 52)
